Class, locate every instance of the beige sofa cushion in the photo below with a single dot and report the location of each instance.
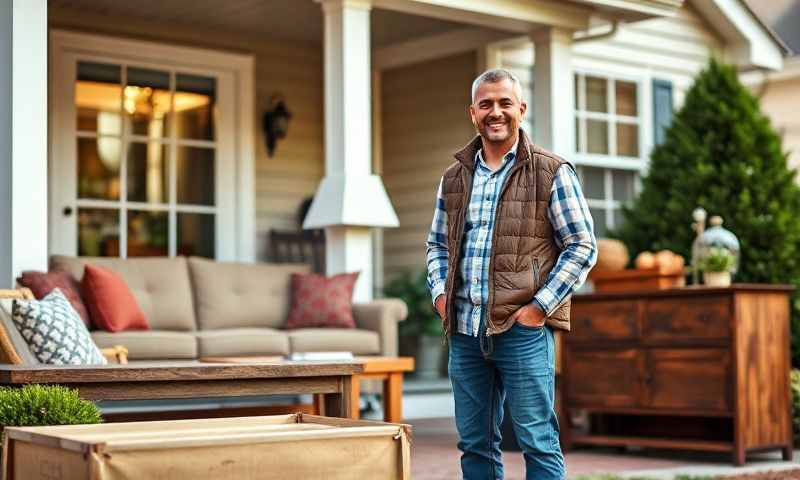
(226, 342)
(360, 342)
(150, 345)
(240, 295)
(161, 286)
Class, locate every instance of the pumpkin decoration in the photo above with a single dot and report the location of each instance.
(612, 255)
(645, 261)
(665, 260)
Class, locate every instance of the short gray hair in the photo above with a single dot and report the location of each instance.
(496, 75)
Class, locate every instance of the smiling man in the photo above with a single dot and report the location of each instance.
(511, 239)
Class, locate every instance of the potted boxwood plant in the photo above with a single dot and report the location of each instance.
(421, 332)
(717, 265)
(41, 405)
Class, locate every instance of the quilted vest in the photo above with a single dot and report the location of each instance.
(523, 248)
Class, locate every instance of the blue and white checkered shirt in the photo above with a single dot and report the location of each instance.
(573, 232)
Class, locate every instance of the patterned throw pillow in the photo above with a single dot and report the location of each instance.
(319, 301)
(54, 332)
(42, 283)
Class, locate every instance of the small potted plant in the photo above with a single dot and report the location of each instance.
(42, 405)
(717, 264)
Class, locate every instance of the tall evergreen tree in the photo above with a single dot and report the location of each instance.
(722, 154)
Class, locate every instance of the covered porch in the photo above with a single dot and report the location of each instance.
(161, 134)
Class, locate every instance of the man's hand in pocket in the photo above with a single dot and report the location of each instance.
(441, 302)
(530, 316)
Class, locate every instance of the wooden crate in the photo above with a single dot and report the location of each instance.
(290, 447)
(636, 280)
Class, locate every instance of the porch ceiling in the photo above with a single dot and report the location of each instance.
(297, 21)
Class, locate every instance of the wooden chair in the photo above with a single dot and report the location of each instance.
(8, 354)
(305, 246)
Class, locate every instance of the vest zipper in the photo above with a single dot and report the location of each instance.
(535, 275)
(514, 169)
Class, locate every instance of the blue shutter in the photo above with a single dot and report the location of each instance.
(662, 109)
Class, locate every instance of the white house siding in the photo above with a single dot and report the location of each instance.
(424, 121)
(294, 71)
(780, 100)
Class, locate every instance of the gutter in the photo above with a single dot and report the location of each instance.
(581, 37)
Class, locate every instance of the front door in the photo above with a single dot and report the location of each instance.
(142, 161)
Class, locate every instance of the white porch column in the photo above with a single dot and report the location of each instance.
(350, 199)
(23, 138)
(554, 91)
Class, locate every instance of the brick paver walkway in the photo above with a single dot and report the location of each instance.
(434, 456)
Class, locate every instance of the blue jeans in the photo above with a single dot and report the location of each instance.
(519, 363)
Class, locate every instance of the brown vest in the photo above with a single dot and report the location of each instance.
(523, 248)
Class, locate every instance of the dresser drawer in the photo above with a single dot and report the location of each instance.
(695, 318)
(688, 378)
(604, 378)
(611, 320)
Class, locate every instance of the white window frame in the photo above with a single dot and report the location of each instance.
(611, 161)
(237, 69)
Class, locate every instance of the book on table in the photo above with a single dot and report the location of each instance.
(320, 356)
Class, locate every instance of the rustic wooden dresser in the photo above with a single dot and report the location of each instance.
(693, 368)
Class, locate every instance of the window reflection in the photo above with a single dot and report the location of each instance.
(195, 101)
(98, 96)
(147, 102)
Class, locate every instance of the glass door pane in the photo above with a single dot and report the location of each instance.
(195, 103)
(98, 97)
(147, 234)
(147, 173)
(147, 102)
(195, 175)
(98, 232)
(98, 168)
(196, 234)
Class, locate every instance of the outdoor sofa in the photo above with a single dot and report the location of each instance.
(202, 308)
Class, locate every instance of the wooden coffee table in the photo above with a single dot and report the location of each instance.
(331, 381)
(387, 369)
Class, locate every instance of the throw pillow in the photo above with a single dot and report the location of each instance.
(111, 303)
(319, 301)
(42, 283)
(54, 331)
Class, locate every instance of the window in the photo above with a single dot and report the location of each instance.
(607, 143)
(145, 154)
(606, 190)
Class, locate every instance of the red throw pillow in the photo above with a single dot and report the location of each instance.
(42, 283)
(319, 301)
(111, 303)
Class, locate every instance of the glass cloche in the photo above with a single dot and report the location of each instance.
(716, 238)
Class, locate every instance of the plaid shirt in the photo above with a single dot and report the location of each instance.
(573, 232)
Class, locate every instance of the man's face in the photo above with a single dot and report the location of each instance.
(497, 111)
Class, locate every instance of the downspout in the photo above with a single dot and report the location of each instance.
(581, 37)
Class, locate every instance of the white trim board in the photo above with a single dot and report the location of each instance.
(748, 41)
(237, 69)
(434, 47)
(505, 15)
